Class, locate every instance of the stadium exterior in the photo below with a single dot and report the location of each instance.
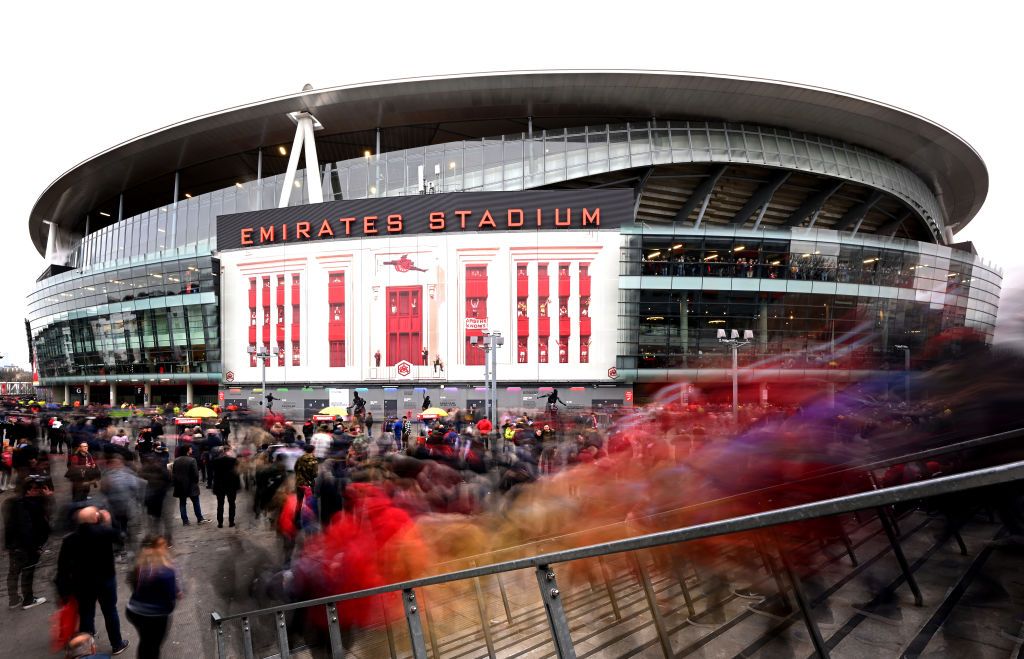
(608, 224)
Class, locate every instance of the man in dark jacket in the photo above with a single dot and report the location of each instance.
(185, 474)
(226, 483)
(85, 570)
(26, 529)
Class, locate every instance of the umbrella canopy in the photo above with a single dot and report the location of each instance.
(433, 413)
(201, 413)
(334, 411)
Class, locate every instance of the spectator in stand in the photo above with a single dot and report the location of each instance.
(26, 529)
(155, 591)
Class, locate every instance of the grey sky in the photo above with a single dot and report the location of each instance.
(78, 82)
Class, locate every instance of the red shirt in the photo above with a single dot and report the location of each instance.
(484, 426)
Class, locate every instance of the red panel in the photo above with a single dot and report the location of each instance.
(336, 317)
(563, 327)
(404, 324)
(280, 294)
(252, 298)
(476, 287)
(522, 287)
(280, 334)
(252, 334)
(295, 295)
(563, 287)
(336, 332)
(296, 332)
(584, 286)
(544, 326)
(585, 326)
(266, 296)
(543, 286)
(523, 326)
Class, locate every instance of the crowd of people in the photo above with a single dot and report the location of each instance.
(356, 504)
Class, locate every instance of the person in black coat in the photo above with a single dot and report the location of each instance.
(26, 529)
(85, 570)
(185, 474)
(158, 486)
(226, 483)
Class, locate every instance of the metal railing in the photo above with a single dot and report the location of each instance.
(546, 578)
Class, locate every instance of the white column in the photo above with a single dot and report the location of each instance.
(188, 393)
(574, 313)
(113, 394)
(147, 393)
(86, 394)
(67, 394)
(51, 240)
(531, 312)
(293, 165)
(314, 187)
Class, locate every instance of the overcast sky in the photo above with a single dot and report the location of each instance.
(82, 78)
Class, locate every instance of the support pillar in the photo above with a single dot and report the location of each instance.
(113, 395)
(830, 399)
(762, 327)
(86, 394)
(147, 393)
(188, 392)
(764, 393)
(67, 394)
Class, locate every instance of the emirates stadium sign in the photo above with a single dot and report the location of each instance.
(536, 210)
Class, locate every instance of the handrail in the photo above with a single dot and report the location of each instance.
(830, 471)
(803, 512)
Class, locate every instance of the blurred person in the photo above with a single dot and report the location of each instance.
(155, 592)
(321, 442)
(85, 571)
(185, 474)
(226, 483)
(58, 435)
(368, 422)
(123, 491)
(81, 471)
(306, 468)
(158, 486)
(26, 530)
(83, 646)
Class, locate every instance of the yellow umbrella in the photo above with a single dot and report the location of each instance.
(201, 413)
(432, 413)
(334, 411)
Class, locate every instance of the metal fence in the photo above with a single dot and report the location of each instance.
(548, 585)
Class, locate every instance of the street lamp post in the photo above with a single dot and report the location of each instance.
(906, 370)
(489, 343)
(263, 355)
(732, 339)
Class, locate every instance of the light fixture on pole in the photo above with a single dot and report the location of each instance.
(489, 342)
(906, 370)
(733, 340)
(263, 354)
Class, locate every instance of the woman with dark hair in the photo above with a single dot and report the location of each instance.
(155, 591)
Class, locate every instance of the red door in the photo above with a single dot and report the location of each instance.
(405, 324)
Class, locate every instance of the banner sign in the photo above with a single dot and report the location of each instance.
(476, 324)
(456, 212)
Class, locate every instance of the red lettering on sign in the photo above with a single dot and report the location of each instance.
(519, 213)
(370, 225)
(302, 230)
(247, 236)
(437, 221)
(592, 217)
(395, 223)
(267, 234)
(325, 230)
(487, 220)
(348, 224)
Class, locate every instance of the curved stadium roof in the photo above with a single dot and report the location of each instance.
(487, 104)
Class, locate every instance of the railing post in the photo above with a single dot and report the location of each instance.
(481, 606)
(894, 541)
(609, 587)
(812, 627)
(652, 604)
(678, 564)
(431, 629)
(412, 616)
(557, 621)
(504, 598)
(282, 635)
(218, 633)
(247, 638)
(334, 631)
(387, 627)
